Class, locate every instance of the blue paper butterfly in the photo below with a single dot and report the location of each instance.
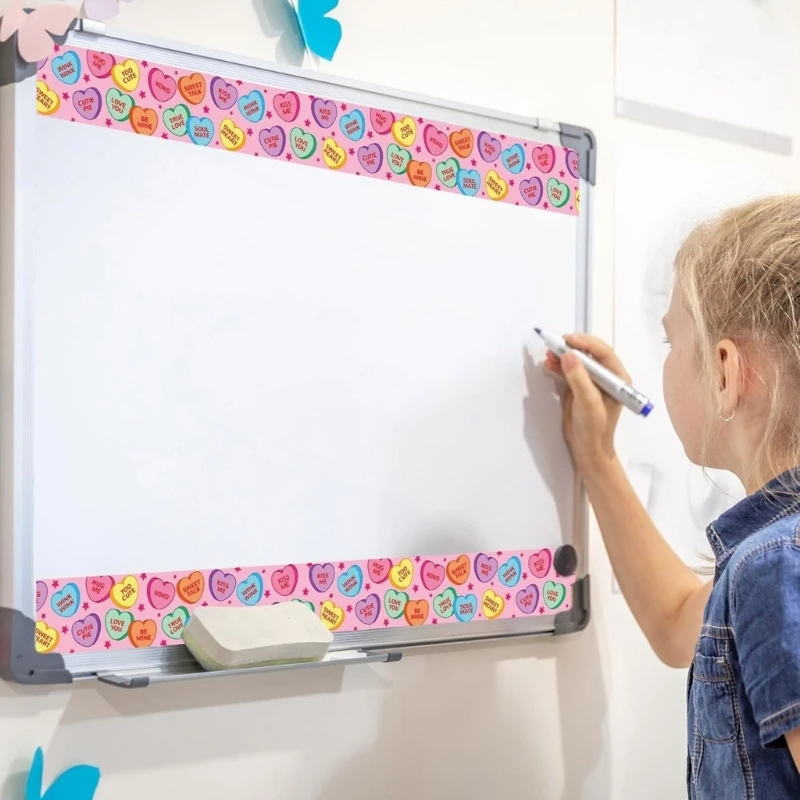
(77, 783)
(321, 33)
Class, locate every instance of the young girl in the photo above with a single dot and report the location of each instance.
(732, 391)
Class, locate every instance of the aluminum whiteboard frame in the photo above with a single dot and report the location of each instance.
(18, 660)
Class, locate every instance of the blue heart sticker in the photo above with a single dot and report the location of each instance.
(352, 125)
(466, 607)
(469, 182)
(350, 582)
(251, 589)
(513, 159)
(65, 603)
(510, 572)
(200, 130)
(251, 106)
(67, 67)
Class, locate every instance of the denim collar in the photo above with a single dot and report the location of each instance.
(775, 500)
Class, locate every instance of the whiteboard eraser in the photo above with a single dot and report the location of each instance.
(237, 638)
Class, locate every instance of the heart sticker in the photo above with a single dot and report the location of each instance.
(87, 103)
(252, 107)
(333, 155)
(578, 200)
(350, 582)
(469, 182)
(395, 603)
(125, 593)
(119, 104)
(458, 570)
(65, 603)
(444, 604)
(416, 612)
(100, 64)
(176, 119)
(432, 575)
(41, 594)
(397, 158)
(510, 572)
(117, 623)
(126, 75)
(378, 569)
(368, 610)
(462, 142)
(221, 585)
(371, 158)
(324, 112)
(447, 172)
(466, 607)
(488, 147)
(99, 588)
(307, 603)
(162, 87)
(404, 131)
(321, 577)
(496, 187)
(190, 588)
(142, 634)
(192, 88)
(528, 598)
(331, 615)
(539, 563)
(251, 589)
(303, 144)
(160, 593)
(287, 106)
(232, 137)
(513, 159)
(557, 192)
(272, 141)
(86, 631)
(353, 125)
(46, 638)
(223, 94)
(382, 121)
(419, 173)
(284, 581)
(144, 120)
(200, 130)
(47, 101)
(67, 67)
(573, 163)
(435, 140)
(544, 157)
(401, 575)
(554, 594)
(485, 567)
(492, 604)
(531, 191)
(174, 623)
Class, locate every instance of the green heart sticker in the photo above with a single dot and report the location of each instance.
(303, 144)
(176, 119)
(554, 594)
(444, 603)
(447, 172)
(119, 105)
(117, 623)
(395, 603)
(174, 623)
(398, 158)
(305, 603)
(557, 192)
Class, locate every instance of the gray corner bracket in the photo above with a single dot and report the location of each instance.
(582, 140)
(577, 618)
(19, 661)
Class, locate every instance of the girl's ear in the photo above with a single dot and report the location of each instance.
(730, 377)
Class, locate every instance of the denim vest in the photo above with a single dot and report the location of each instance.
(744, 683)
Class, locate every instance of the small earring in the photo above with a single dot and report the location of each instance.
(726, 419)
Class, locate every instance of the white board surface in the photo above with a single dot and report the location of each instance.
(231, 366)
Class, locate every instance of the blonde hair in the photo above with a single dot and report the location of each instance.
(739, 277)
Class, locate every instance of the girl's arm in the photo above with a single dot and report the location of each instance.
(666, 597)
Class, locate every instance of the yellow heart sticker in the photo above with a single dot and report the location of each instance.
(333, 155)
(492, 604)
(496, 187)
(404, 131)
(331, 615)
(126, 75)
(47, 101)
(46, 638)
(125, 593)
(232, 138)
(401, 575)
(578, 200)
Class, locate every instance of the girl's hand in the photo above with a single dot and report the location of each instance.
(590, 415)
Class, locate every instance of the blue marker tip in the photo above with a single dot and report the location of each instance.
(646, 410)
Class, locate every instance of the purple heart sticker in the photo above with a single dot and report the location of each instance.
(321, 576)
(485, 567)
(531, 191)
(41, 594)
(324, 112)
(573, 163)
(488, 147)
(222, 585)
(87, 103)
(86, 631)
(223, 94)
(368, 609)
(528, 599)
(371, 158)
(272, 140)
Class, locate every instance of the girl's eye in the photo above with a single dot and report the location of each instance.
(666, 341)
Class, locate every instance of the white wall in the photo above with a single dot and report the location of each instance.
(592, 717)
